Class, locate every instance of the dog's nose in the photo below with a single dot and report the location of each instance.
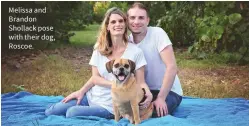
(121, 69)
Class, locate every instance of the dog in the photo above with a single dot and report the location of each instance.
(126, 93)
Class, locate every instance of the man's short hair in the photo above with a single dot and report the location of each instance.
(140, 6)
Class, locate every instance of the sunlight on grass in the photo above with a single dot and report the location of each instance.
(84, 38)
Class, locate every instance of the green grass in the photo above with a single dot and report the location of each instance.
(186, 60)
(87, 37)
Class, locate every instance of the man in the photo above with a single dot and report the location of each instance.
(161, 70)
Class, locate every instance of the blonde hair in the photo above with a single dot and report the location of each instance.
(104, 42)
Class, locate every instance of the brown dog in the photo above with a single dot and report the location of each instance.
(126, 93)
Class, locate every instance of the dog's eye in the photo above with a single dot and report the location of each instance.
(126, 66)
(116, 65)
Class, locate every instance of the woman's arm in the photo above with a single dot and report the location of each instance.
(141, 81)
(96, 79)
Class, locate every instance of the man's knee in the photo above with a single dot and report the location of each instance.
(173, 100)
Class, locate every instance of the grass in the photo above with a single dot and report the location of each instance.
(211, 77)
(211, 83)
(186, 60)
(85, 38)
(46, 75)
(57, 74)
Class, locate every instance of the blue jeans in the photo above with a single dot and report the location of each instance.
(173, 100)
(70, 109)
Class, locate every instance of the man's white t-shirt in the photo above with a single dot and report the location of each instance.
(154, 42)
(101, 96)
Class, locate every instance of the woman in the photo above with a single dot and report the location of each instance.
(94, 98)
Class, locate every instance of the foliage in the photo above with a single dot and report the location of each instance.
(222, 28)
(100, 8)
(241, 34)
(178, 22)
(209, 27)
(66, 16)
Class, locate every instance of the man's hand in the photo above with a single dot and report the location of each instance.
(147, 101)
(75, 95)
(161, 107)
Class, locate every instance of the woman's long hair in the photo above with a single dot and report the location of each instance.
(104, 42)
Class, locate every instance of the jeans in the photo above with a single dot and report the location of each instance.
(173, 100)
(70, 109)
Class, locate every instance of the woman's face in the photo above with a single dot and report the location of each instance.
(116, 25)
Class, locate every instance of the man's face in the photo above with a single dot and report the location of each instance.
(137, 20)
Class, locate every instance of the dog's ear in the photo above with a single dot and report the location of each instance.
(109, 65)
(133, 66)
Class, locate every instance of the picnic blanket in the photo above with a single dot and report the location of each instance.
(24, 108)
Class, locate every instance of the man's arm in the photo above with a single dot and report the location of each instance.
(141, 81)
(168, 57)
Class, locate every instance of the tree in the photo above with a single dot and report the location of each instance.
(67, 16)
(100, 8)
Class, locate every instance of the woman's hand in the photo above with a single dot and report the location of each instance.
(147, 101)
(78, 95)
(161, 107)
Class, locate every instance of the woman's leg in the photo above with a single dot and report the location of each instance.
(60, 108)
(88, 111)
